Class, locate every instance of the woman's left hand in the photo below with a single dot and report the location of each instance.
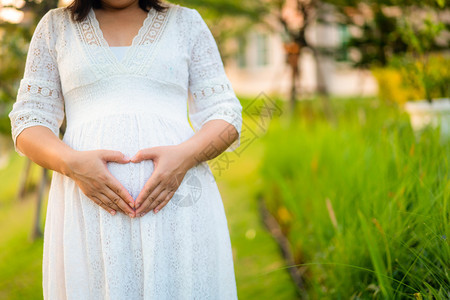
(171, 164)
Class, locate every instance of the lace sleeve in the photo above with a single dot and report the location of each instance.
(212, 96)
(39, 99)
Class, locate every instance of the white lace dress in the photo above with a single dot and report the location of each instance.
(139, 101)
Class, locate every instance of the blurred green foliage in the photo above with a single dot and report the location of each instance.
(381, 26)
(409, 78)
(404, 52)
(12, 61)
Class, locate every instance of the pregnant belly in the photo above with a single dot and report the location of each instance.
(128, 133)
(132, 176)
(194, 185)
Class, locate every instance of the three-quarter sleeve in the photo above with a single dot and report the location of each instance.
(39, 99)
(212, 95)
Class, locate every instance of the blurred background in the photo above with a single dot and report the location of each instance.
(340, 187)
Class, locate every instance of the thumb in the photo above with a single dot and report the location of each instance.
(115, 156)
(144, 154)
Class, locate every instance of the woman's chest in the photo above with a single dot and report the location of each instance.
(158, 52)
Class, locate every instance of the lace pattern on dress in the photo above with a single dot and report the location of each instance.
(150, 36)
(155, 28)
(149, 33)
(88, 33)
(39, 98)
(209, 91)
(212, 93)
(40, 89)
(92, 43)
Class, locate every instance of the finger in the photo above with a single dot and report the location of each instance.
(161, 197)
(144, 154)
(120, 190)
(164, 203)
(114, 206)
(114, 156)
(103, 205)
(149, 187)
(160, 194)
(145, 208)
(115, 201)
(111, 205)
(114, 198)
(149, 205)
(108, 202)
(118, 194)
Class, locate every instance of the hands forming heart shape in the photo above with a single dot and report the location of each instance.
(89, 171)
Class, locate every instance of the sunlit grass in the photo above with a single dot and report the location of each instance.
(20, 257)
(364, 203)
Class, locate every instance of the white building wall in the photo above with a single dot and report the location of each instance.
(275, 77)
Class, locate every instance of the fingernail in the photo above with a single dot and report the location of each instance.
(113, 212)
(131, 215)
(156, 210)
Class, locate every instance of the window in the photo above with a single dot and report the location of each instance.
(344, 38)
(241, 57)
(262, 57)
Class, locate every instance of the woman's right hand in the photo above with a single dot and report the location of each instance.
(89, 171)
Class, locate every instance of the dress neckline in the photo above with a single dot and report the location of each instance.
(143, 45)
(119, 51)
(138, 34)
(104, 43)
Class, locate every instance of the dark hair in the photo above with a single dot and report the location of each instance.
(80, 8)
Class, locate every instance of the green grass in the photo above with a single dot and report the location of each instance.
(364, 204)
(20, 258)
(258, 262)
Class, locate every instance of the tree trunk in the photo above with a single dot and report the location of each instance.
(322, 89)
(294, 79)
(24, 180)
(37, 231)
(292, 51)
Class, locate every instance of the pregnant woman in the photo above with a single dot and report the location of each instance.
(134, 211)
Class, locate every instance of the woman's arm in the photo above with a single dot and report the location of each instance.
(213, 138)
(42, 146)
(213, 97)
(87, 168)
(38, 114)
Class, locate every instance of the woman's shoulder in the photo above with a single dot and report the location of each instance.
(191, 21)
(54, 17)
(49, 23)
(188, 14)
(56, 12)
